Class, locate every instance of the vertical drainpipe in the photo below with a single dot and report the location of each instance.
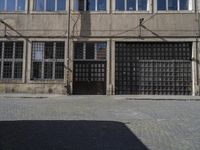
(68, 47)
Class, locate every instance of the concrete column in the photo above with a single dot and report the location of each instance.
(108, 68)
(112, 67)
(195, 90)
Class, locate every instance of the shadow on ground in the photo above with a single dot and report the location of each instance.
(67, 135)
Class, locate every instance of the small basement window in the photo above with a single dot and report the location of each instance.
(174, 5)
(48, 60)
(90, 5)
(12, 5)
(131, 5)
(49, 5)
(11, 60)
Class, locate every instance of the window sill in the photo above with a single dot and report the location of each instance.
(46, 81)
(13, 12)
(131, 12)
(175, 12)
(11, 81)
(49, 13)
(89, 12)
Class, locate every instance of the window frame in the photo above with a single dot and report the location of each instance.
(53, 60)
(95, 50)
(13, 61)
(148, 10)
(45, 7)
(190, 9)
(16, 7)
(92, 11)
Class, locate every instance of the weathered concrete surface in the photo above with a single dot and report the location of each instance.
(159, 125)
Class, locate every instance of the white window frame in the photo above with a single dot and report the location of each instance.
(126, 8)
(16, 4)
(96, 6)
(45, 7)
(190, 7)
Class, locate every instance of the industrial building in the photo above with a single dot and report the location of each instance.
(100, 47)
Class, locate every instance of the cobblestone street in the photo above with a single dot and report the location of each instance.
(155, 123)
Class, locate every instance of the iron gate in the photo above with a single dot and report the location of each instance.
(153, 68)
(89, 77)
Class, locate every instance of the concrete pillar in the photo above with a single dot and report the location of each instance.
(112, 67)
(195, 89)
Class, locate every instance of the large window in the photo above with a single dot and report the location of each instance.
(90, 5)
(49, 5)
(174, 5)
(90, 50)
(12, 5)
(48, 60)
(131, 5)
(11, 60)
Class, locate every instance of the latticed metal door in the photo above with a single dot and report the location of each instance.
(89, 70)
(153, 68)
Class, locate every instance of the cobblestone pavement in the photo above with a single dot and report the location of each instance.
(158, 124)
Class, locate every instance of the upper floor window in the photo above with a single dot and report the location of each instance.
(174, 5)
(12, 5)
(90, 5)
(49, 5)
(131, 5)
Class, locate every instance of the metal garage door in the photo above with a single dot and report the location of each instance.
(162, 68)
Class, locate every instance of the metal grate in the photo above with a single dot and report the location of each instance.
(11, 60)
(153, 68)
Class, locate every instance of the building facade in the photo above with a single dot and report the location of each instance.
(100, 46)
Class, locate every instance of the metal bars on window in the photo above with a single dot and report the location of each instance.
(48, 60)
(153, 68)
(11, 60)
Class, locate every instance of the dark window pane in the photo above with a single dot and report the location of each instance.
(21, 5)
(90, 5)
(142, 4)
(101, 5)
(7, 70)
(101, 50)
(78, 51)
(120, 5)
(38, 51)
(60, 50)
(18, 70)
(10, 5)
(184, 4)
(79, 5)
(36, 70)
(161, 4)
(50, 5)
(172, 4)
(131, 5)
(89, 50)
(48, 70)
(19, 50)
(48, 50)
(61, 5)
(8, 50)
(39, 5)
(59, 70)
(2, 5)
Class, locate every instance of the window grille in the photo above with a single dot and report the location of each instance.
(11, 60)
(48, 60)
